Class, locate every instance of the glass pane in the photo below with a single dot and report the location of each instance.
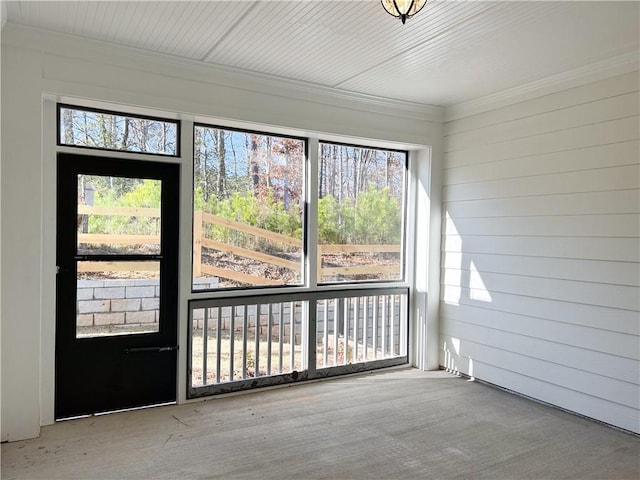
(118, 215)
(360, 213)
(113, 131)
(248, 209)
(117, 298)
(247, 341)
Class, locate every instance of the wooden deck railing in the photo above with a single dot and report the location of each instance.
(200, 242)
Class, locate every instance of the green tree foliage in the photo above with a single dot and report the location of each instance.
(145, 194)
(264, 212)
(375, 218)
(329, 231)
(378, 218)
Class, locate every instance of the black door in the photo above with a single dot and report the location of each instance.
(117, 284)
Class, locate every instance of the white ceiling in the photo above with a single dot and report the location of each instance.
(452, 51)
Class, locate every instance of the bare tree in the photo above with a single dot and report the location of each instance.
(125, 135)
(221, 156)
(67, 122)
(254, 171)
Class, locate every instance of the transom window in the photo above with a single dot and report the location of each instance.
(106, 130)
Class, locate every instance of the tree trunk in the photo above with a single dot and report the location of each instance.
(103, 131)
(125, 135)
(254, 168)
(268, 163)
(67, 120)
(340, 174)
(145, 135)
(221, 154)
(322, 180)
(287, 153)
(86, 129)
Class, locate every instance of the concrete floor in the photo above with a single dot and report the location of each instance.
(401, 424)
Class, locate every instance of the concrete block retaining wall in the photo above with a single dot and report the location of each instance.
(123, 301)
(198, 317)
(135, 302)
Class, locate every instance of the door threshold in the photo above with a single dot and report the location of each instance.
(109, 412)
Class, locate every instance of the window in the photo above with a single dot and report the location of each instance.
(361, 199)
(249, 218)
(104, 130)
(248, 209)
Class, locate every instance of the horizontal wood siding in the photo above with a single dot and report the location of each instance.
(541, 249)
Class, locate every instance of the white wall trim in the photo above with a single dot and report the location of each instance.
(619, 65)
(426, 167)
(53, 42)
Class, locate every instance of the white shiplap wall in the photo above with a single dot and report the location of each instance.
(540, 278)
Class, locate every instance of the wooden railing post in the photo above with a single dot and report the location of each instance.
(197, 243)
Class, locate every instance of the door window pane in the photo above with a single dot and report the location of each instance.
(117, 298)
(118, 215)
(248, 209)
(361, 194)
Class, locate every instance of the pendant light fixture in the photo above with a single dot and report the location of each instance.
(403, 9)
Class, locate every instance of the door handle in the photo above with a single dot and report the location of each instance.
(150, 349)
